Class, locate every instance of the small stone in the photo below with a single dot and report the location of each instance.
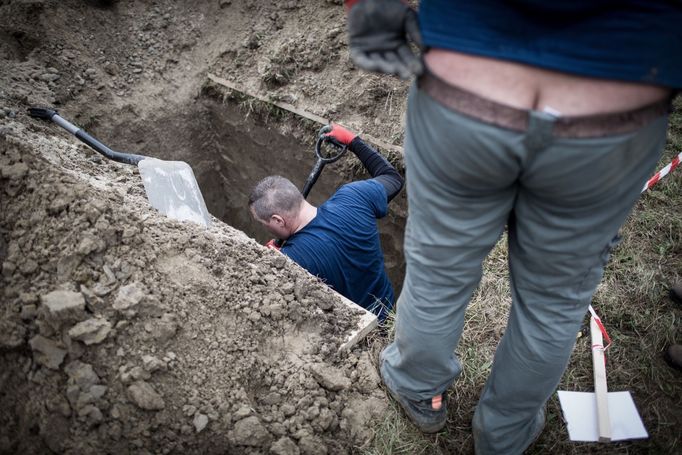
(60, 306)
(312, 446)
(28, 266)
(287, 288)
(91, 331)
(129, 296)
(28, 312)
(46, 352)
(224, 3)
(115, 412)
(16, 171)
(139, 373)
(111, 68)
(91, 413)
(28, 298)
(163, 329)
(144, 396)
(242, 412)
(12, 334)
(200, 421)
(330, 378)
(81, 374)
(8, 268)
(49, 77)
(152, 364)
(98, 391)
(90, 244)
(73, 394)
(288, 409)
(272, 398)
(284, 446)
(250, 432)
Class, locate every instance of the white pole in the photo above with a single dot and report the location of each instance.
(600, 390)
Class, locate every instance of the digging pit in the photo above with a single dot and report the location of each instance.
(230, 148)
(131, 332)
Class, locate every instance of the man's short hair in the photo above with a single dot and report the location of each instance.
(275, 195)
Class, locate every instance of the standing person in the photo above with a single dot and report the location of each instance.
(545, 117)
(338, 241)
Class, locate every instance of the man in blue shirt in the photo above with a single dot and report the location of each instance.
(338, 241)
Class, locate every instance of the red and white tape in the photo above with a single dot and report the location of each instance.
(651, 182)
(663, 172)
(597, 319)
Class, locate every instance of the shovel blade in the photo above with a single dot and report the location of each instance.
(173, 190)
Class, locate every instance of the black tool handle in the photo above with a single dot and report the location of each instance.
(42, 113)
(50, 114)
(341, 149)
(312, 178)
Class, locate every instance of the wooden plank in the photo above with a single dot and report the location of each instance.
(300, 112)
(600, 390)
(367, 323)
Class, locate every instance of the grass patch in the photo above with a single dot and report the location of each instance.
(633, 302)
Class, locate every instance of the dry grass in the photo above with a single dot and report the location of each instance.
(633, 303)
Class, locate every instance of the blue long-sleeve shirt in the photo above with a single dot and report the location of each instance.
(628, 40)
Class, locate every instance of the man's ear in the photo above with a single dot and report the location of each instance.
(278, 220)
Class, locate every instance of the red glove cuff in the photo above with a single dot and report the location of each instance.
(272, 244)
(341, 134)
(349, 4)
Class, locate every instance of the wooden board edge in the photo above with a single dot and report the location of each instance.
(367, 323)
(300, 112)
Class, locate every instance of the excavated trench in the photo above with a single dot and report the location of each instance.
(231, 148)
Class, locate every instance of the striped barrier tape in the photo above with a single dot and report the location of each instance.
(663, 172)
(651, 182)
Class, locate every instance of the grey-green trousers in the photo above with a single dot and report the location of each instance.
(563, 200)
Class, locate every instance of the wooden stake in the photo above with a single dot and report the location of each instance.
(600, 389)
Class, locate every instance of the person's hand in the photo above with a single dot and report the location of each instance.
(341, 134)
(378, 32)
(273, 245)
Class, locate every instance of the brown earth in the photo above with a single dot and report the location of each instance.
(125, 331)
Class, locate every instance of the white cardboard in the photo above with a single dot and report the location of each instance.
(580, 414)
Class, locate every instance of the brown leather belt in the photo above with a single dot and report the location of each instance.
(516, 119)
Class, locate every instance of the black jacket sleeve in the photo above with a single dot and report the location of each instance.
(378, 167)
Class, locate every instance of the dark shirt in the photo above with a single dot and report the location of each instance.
(629, 40)
(341, 245)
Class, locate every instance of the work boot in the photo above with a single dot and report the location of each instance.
(676, 294)
(673, 355)
(427, 415)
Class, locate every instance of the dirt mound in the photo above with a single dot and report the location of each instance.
(122, 330)
(128, 330)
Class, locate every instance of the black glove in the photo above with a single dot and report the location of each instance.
(378, 32)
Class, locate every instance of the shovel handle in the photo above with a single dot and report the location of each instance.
(51, 114)
(312, 178)
(42, 113)
(341, 149)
